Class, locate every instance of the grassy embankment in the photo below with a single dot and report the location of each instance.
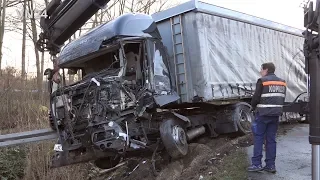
(22, 111)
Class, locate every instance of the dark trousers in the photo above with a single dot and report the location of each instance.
(265, 128)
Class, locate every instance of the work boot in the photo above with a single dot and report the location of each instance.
(254, 168)
(271, 169)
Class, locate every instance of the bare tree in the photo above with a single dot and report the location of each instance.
(1, 7)
(42, 53)
(4, 24)
(2, 27)
(162, 5)
(13, 3)
(95, 21)
(122, 5)
(24, 33)
(31, 12)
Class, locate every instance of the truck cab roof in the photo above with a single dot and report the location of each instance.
(127, 25)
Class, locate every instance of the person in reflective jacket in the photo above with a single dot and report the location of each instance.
(267, 103)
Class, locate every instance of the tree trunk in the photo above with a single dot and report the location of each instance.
(42, 54)
(101, 17)
(132, 6)
(2, 25)
(34, 39)
(24, 34)
(0, 10)
(42, 63)
(122, 6)
(95, 21)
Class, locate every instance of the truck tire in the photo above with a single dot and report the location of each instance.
(243, 117)
(174, 137)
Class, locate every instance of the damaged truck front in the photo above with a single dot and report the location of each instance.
(123, 77)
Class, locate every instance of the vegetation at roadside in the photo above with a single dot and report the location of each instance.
(23, 109)
(233, 166)
(12, 163)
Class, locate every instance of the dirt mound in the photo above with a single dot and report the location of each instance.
(185, 168)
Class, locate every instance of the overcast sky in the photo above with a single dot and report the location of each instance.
(287, 12)
(283, 11)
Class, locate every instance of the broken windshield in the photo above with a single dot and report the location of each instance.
(106, 64)
(161, 74)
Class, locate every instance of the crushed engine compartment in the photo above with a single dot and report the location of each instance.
(98, 116)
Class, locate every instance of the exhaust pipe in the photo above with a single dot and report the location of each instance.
(193, 133)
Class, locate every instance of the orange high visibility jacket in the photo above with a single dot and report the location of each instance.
(270, 96)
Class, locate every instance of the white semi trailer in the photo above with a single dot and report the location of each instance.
(216, 53)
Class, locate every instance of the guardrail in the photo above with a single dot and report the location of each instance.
(27, 137)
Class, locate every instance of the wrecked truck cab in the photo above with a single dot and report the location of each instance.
(137, 45)
(125, 77)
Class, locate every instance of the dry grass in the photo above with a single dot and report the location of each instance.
(37, 166)
(233, 166)
(24, 110)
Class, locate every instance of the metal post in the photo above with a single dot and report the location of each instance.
(314, 105)
(315, 162)
(312, 62)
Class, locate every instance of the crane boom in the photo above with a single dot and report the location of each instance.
(61, 19)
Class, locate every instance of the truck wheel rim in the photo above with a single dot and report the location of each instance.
(245, 120)
(179, 136)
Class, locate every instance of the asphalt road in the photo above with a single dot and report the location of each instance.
(293, 160)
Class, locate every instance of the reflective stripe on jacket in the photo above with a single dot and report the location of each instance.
(272, 96)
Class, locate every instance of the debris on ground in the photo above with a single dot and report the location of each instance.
(224, 157)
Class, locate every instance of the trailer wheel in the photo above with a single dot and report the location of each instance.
(243, 118)
(107, 162)
(174, 137)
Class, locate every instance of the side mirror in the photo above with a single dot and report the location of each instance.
(72, 71)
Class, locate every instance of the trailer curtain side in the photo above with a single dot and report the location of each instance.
(215, 57)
